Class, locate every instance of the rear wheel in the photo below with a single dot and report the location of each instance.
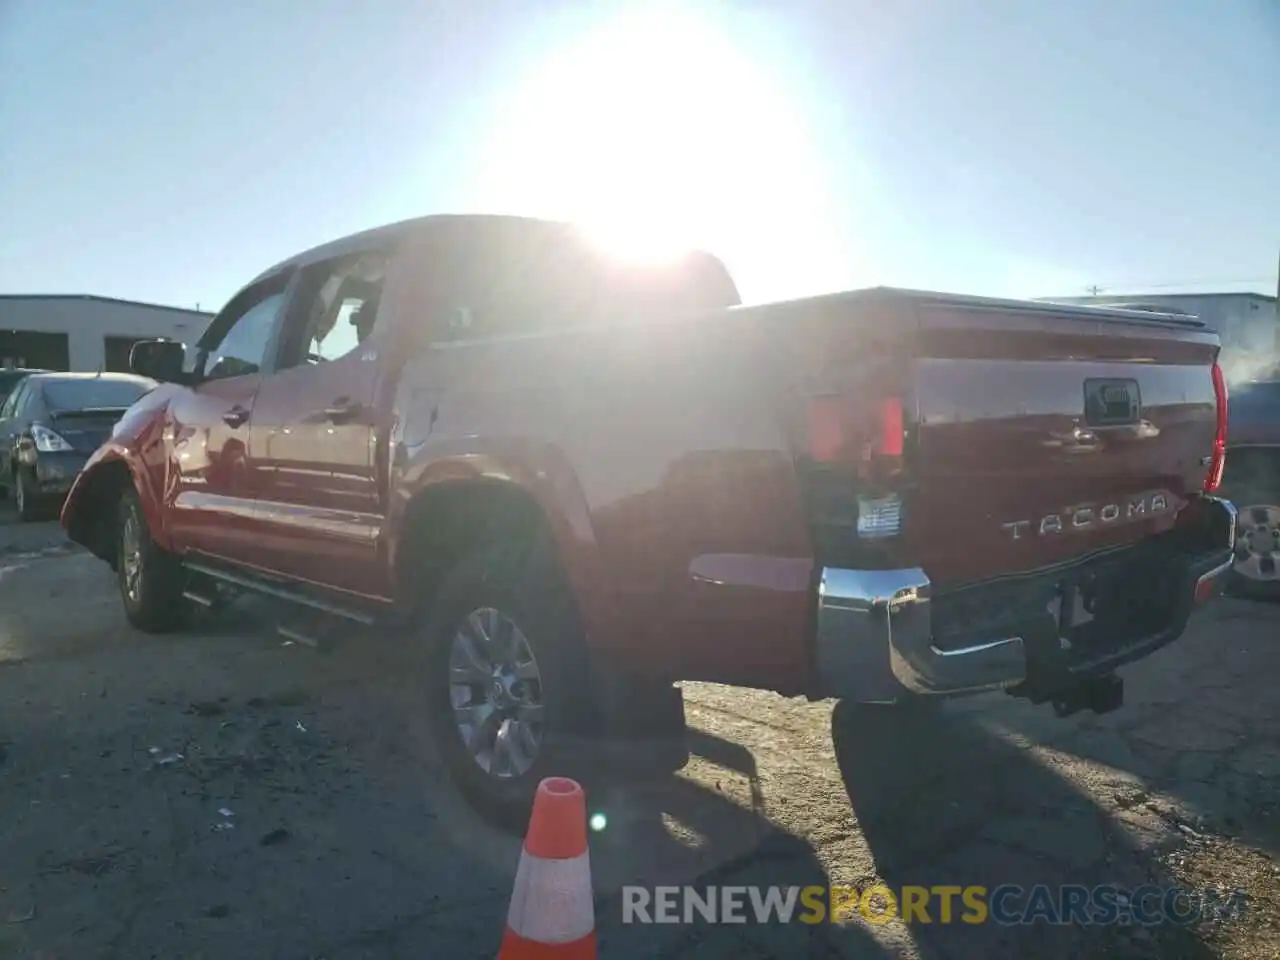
(150, 578)
(27, 500)
(1256, 573)
(508, 690)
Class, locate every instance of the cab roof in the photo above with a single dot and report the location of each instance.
(475, 226)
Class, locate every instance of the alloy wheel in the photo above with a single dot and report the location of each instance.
(495, 690)
(131, 558)
(1258, 543)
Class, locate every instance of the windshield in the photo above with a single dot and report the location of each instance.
(89, 394)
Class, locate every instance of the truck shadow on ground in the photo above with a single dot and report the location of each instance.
(683, 833)
(1201, 727)
(673, 832)
(944, 800)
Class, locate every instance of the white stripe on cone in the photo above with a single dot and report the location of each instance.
(552, 899)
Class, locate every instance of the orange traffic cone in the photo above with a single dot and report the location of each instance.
(552, 913)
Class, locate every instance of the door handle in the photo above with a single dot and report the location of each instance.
(342, 409)
(235, 417)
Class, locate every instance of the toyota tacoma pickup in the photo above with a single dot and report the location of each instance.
(573, 481)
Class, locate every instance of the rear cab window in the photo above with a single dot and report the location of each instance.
(543, 278)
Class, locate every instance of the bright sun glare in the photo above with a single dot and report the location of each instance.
(657, 132)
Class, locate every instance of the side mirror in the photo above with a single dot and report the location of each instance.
(160, 360)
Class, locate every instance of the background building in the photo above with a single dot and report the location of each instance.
(1248, 323)
(83, 332)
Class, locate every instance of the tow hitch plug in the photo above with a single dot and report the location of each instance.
(1099, 694)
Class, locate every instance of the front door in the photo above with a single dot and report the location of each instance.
(311, 447)
(207, 434)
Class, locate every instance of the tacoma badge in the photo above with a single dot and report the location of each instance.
(1090, 516)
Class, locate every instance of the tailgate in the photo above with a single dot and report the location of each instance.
(1043, 434)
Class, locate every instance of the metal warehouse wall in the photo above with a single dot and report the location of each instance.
(89, 321)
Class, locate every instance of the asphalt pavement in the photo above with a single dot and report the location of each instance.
(225, 794)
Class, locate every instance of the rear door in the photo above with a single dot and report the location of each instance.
(1043, 436)
(317, 505)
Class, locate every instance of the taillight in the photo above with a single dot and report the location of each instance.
(862, 441)
(1218, 460)
(892, 429)
(843, 430)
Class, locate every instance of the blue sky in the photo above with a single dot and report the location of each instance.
(169, 151)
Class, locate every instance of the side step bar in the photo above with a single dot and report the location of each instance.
(297, 636)
(199, 599)
(279, 592)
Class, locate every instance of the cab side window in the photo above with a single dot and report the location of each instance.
(336, 310)
(243, 348)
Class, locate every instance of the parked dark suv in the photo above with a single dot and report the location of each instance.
(1252, 481)
(50, 424)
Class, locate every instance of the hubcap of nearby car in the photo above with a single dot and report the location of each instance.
(131, 558)
(1258, 542)
(495, 689)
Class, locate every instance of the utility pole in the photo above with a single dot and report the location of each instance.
(1094, 290)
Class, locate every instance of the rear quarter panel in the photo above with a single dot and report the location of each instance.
(657, 452)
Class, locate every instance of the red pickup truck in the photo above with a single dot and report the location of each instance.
(577, 481)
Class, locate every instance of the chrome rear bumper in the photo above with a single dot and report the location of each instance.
(875, 630)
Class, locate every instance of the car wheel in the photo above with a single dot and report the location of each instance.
(29, 504)
(1257, 568)
(509, 694)
(1256, 573)
(150, 578)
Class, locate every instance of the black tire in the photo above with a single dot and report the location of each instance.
(155, 604)
(1256, 485)
(524, 583)
(30, 505)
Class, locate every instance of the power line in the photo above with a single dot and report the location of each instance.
(1099, 287)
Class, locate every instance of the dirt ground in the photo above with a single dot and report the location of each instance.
(222, 794)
